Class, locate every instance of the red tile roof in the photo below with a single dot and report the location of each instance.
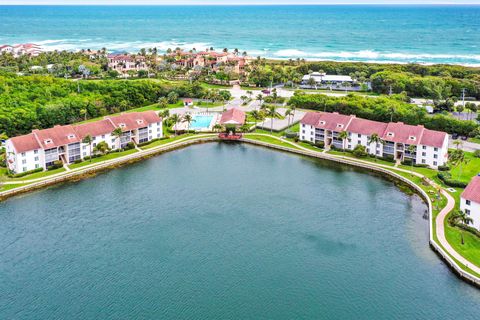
(367, 127)
(25, 143)
(56, 136)
(472, 191)
(134, 120)
(403, 133)
(330, 121)
(433, 138)
(233, 116)
(393, 131)
(93, 129)
(311, 118)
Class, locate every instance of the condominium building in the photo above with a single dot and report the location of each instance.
(397, 140)
(42, 148)
(470, 201)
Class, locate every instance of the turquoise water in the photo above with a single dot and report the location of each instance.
(221, 231)
(430, 34)
(201, 122)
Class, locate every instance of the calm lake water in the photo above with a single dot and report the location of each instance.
(228, 232)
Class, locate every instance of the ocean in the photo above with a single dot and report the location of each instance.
(424, 34)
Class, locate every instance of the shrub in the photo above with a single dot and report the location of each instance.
(407, 162)
(290, 134)
(443, 168)
(296, 139)
(23, 174)
(388, 158)
(360, 151)
(56, 165)
(319, 144)
(78, 161)
(446, 178)
(477, 153)
(420, 165)
(130, 146)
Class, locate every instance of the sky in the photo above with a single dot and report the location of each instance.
(227, 2)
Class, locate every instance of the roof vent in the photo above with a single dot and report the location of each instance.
(339, 125)
(47, 141)
(71, 136)
(122, 125)
(322, 122)
(139, 121)
(412, 138)
(390, 134)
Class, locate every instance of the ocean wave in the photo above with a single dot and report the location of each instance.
(380, 56)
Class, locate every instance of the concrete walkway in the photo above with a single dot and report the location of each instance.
(440, 229)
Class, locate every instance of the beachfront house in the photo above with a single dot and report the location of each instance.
(396, 138)
(470, 201)
(317, 80)
(126, 62)
(44, 148)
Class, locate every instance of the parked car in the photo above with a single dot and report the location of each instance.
(464, 138)
(454, 136)
(267, 92)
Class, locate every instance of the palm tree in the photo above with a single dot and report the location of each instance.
(288, 114)
(257, 115)
(188, 119)
(249, 93)
(464, 219)
(411, 149)
(175, 118)
(165, 114)
(245, 128)
(343, 135)
(272, 113)
(162, 102)
(88, 140)
(260, 98)
(217, 127)
(117, 133)
(375, 138)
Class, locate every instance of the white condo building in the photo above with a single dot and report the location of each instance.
(41, 148)
(430, 147)
(470, 201)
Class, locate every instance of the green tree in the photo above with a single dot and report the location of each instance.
(117, 134)
(162, 102)
(188, 119)
(343, 135)
(375, 138)
(462, 217)
(102, 148)
(175, 119)
(88, 140)
(272, 113)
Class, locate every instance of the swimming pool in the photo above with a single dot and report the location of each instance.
(201, 122)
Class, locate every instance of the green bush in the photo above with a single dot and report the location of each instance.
(360, 151)
(23, 174)
(388, 158)
(477, 153)
(443, 168)
(56, 165)
(407, 162)
(446, 178)
(319, 144)
(290, 134)
(130, 146)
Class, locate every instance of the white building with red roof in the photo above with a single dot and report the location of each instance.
(126, 62)
(42, 148)
(233, 117)
(470, 201)
(429, 147)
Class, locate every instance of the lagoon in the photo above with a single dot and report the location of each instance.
(225, 231)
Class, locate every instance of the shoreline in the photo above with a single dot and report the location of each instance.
(99, 168)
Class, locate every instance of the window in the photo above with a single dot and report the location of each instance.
(303, 131)
(423, 161)
(359, 142)
(435, 156)
(424, 147)
(424, 154)
(349, 146)
(24, 169)
(113, 140)
(149, 131)
(84, 154)
(103, 136)
(435, 149)
(35, 152)
(467, 211)
(24, 161)
(94, 138)
(434, 163)
(303, 125)
(359, 135)
(37, 166)
(467, 202)
(36, 158)
(23, 154)
(84, 147)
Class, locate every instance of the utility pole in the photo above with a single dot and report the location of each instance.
(463, 97)
(390, 90)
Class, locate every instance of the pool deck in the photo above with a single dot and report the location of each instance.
(183, 126)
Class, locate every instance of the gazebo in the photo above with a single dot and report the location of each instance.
(232, 120)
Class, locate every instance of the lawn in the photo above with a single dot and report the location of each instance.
(466, 172)
(109, 156)
(165, 141)
(271, 140)
(37, 175)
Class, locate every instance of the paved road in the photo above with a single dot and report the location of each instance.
(465, 146)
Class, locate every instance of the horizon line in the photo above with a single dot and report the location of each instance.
(239, 4)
